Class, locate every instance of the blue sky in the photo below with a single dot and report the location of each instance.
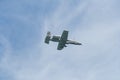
(25, 56)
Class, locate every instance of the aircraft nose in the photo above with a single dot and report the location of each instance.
(79, 43)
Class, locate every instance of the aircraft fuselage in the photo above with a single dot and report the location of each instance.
(62, 40)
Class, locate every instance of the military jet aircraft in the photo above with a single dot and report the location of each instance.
(62, 40)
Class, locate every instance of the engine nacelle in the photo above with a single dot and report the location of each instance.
(55, 38)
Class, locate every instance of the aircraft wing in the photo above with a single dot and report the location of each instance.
(63, 40)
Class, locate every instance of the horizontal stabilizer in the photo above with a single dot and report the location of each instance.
(48, 37)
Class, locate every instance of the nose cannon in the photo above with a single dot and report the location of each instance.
(77, 43)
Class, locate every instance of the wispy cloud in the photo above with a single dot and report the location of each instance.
(96, 59)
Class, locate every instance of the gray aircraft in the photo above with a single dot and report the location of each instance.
(62, 40)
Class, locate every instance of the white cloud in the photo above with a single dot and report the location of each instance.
(95, 60)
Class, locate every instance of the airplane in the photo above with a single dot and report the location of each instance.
(62, 40)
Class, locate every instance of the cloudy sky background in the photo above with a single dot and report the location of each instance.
(23, 26)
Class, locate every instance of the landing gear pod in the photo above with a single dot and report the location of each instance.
(48, 37)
